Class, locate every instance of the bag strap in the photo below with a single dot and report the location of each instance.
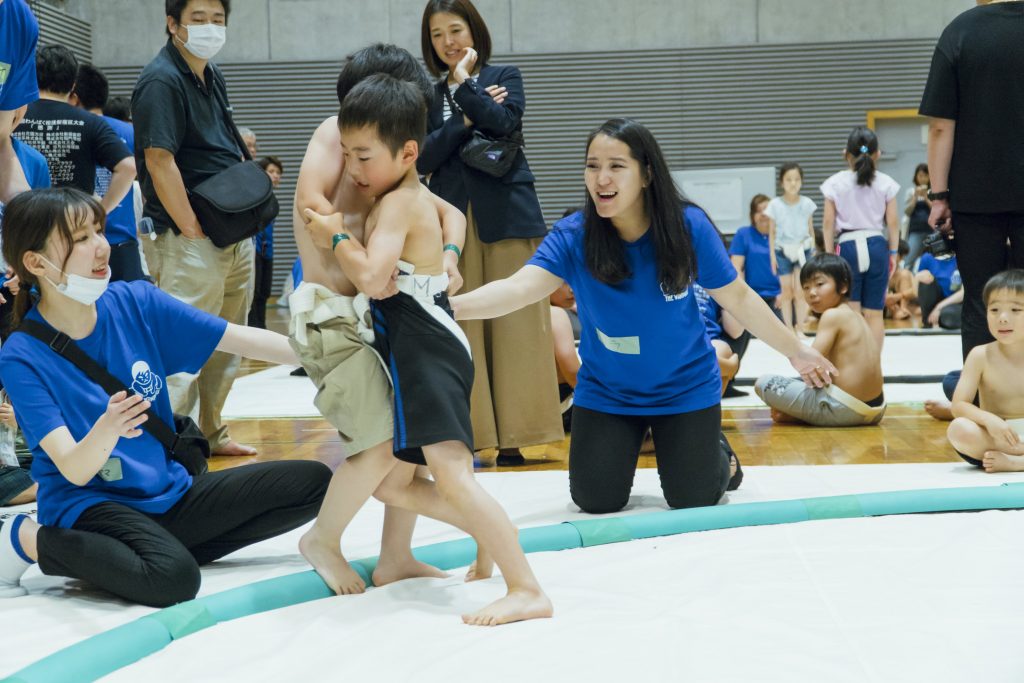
(218, 80)
(63, 345)
(448, 96)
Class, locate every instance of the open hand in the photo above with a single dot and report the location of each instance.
(321, 228)
(497, 93)
(451, 266)
(815, 370)
(124, 414)
(466, 65)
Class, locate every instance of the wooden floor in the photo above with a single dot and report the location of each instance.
(906, 435)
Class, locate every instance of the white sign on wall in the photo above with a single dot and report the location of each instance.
(725, 193)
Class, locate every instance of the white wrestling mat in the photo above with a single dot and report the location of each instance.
(274, 393)
(925, 597)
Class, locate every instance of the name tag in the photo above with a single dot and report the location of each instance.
(111, 470)
(627, 345)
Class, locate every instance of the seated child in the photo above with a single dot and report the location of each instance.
(721, 327)
(939, 292)
(564, 326)
(991, 434)
(16, 485)
(382, 122)
(855, 396)
(900, 296)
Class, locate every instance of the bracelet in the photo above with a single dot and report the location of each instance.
(338, 238)
(452, 247)
(894, 252)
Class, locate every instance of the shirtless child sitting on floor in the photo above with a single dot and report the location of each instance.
(855, 397)
(382, 123)
(991, 434)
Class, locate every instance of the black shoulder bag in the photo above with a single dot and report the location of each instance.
(493, 156)
(239, 201)
(185, 442)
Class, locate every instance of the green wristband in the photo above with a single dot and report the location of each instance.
(338, 237)
(452, 247)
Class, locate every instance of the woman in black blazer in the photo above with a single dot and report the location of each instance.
(515, 393)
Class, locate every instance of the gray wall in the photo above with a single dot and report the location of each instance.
(129, 31)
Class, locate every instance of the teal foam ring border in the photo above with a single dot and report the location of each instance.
(111, 650)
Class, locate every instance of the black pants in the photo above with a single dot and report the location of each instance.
(604, 450)
(981, 252)
(154, 559)
(261, 291)
(928, 296)
(125, 262)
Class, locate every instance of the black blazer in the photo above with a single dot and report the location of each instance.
(503, 208)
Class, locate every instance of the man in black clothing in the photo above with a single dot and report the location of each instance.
(73, 141)
(974, 99)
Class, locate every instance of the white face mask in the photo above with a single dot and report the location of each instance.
(84, 290)
(205, 40)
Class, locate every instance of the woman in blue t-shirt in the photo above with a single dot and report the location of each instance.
(630, 257)
(750, 253)
(115, 509)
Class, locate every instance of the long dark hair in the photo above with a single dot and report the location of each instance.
(860, 146)
(465, 10)
(29, 219)
(605, 254)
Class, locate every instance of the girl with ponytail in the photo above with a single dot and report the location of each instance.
(861, 223)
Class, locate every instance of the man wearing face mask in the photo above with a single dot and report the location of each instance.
(182, 137)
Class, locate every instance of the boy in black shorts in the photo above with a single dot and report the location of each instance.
(382, 122)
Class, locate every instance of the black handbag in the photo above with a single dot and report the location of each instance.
(491, 155)
(239, 201)
(185, 442)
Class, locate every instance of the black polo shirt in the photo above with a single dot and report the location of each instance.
(975, 79)
(173, 110)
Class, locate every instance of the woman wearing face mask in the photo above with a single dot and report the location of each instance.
(630, 257)
(116, 511)
(515, 393)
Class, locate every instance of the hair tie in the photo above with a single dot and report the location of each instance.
(863, 149)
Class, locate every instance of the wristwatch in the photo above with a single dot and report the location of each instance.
(940, 196)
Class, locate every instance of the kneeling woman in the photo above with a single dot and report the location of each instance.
(116, 510)
(630, 257)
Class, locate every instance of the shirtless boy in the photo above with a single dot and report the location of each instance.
(382, 122)
(991, 434)
(353, 390)
(855, 397)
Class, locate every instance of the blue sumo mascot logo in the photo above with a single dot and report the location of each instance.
(145, 382)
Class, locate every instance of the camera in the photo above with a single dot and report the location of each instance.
(939, 245)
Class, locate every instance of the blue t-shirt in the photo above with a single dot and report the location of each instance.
(944, 270)
(19, 33)
(138, 338)
(33, 163)
(120, 221)
(264, 241)
(644, 352)
(709, 310)
(757, 266)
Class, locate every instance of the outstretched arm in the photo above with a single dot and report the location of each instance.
(753, 313)
(501, 297)
(252, 342)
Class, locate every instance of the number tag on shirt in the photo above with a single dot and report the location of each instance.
(111, 470)
(627, 345)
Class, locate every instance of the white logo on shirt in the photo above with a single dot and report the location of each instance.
(674, 297)
(145, 382)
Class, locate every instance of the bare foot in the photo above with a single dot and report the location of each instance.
(389, 571)
(784, 418)
(997, 461)
(330, 564)
(483, 566)
(518, 605)
(940, 410)
(235, 448)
